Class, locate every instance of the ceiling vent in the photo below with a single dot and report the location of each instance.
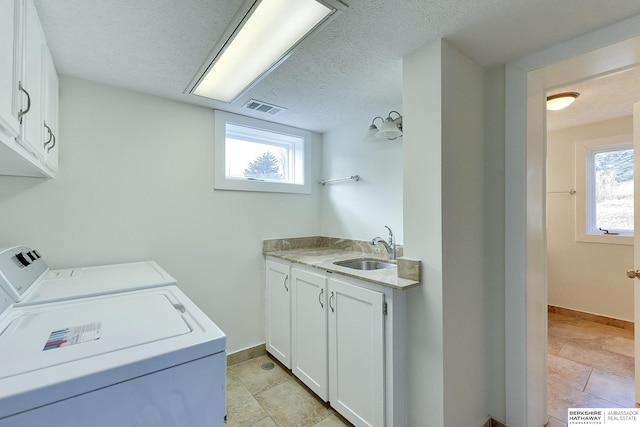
(263, 107)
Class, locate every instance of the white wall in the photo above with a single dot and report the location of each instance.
(444, 227)
(422, 162)
(135, 183)
(494, 217)
(465, 351)
(360, 210)
(582, 276)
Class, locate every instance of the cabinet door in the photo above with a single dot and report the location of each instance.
(31, 129)
(356, 353)
(278, 310)
(50, 89)
(9, 67)
(309, 330)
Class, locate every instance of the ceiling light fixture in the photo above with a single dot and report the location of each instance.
(390, 128)
(261, 36)
(561, 100)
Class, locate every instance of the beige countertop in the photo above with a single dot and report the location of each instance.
(323, 258)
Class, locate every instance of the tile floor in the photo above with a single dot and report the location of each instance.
(590, 365)
(273, 398)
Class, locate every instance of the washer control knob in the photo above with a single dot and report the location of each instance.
(23, 259)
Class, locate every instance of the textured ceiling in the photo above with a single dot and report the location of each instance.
(349, 70)
(605, 98)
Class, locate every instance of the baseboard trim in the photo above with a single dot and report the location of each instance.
(604, 320)
(493, 423)
(246, 354)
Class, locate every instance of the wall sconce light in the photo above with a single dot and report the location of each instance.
(390, 128)
(561, 100)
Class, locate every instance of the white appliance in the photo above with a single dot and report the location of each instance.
(146, 357)
(45, 285)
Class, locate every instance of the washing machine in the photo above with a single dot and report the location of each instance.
(142, 357)
(46, 285)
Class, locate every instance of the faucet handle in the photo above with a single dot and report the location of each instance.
(391, 240)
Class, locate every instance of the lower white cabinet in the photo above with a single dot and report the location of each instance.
(278, 312)
(356, 353)
(309, 332)
(347, 345)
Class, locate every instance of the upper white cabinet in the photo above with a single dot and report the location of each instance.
(9, 68)
(29, 94)
(278, 311)
(30, 83)
(50, 93)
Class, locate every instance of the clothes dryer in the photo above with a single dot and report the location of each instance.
(148, 357)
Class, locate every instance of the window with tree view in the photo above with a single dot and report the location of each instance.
(256, 155)
(609, 176)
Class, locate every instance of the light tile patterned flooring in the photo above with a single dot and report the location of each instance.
(590, 365)
(273, 398)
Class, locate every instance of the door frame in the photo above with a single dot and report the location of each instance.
(527, 79)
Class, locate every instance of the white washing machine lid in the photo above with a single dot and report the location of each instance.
(58, 285)
(58, 350)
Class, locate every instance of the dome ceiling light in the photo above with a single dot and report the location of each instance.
(561, 100)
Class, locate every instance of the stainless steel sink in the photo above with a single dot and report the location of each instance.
(365, 264)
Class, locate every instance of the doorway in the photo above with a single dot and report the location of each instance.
(527, 82)
(590, 357)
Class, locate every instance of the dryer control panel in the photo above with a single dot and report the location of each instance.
(20, 268)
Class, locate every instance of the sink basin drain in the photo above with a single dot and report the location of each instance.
(267, 366)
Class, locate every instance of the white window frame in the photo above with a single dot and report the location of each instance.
(586, 230)
(302, 154)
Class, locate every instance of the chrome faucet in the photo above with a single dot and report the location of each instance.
(389, 246)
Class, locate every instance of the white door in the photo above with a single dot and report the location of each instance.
(356, 353)
(636, 239)
(309, 330)
(278, 311)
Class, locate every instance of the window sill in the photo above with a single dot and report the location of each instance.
(231, 184)
(607, 239)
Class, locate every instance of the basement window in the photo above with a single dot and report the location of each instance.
(256, 155)
(604, 184)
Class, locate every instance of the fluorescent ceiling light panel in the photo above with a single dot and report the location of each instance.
(258, 43)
